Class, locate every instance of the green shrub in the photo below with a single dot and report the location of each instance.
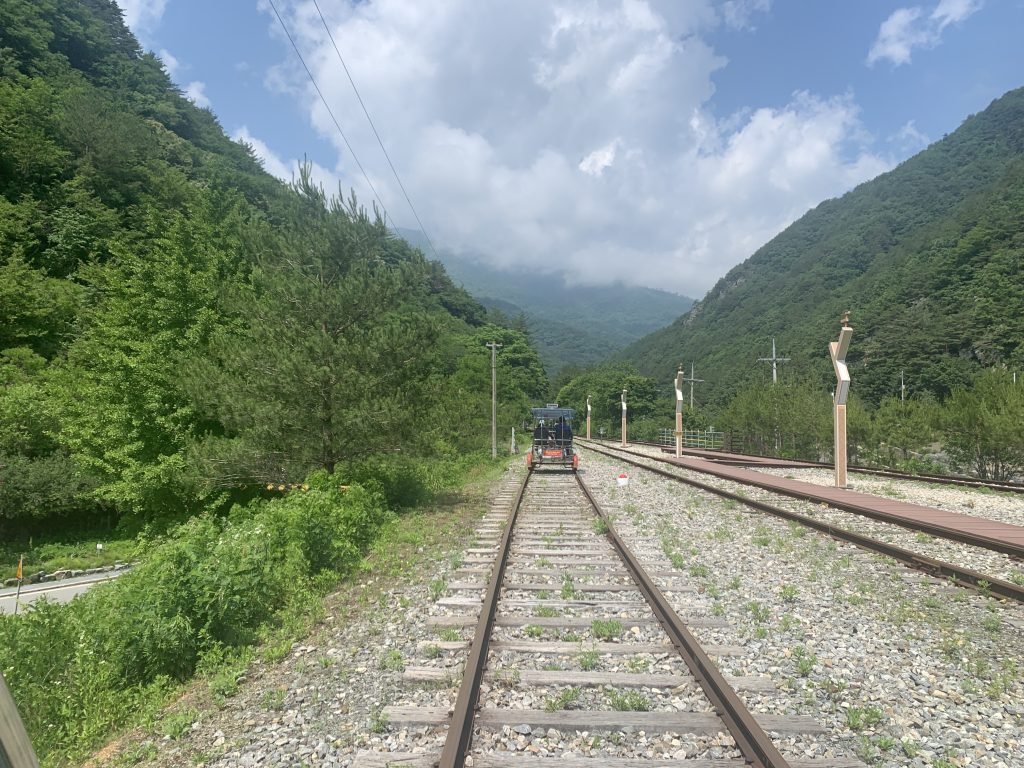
(213, 583)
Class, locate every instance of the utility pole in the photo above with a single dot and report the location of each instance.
(774, 360)
(903, 389)
(494, 347)
(692, 381)
(624, 406)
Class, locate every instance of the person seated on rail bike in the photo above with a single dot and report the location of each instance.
(563, 435)
(540, 433)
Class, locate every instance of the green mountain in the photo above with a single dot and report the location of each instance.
(570, 324)
(928, 258)
(178, 327)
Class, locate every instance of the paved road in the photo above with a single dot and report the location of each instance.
(57, 591)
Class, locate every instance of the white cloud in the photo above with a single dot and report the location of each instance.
(910, 139)
(577, 136)
(286, 170)
(171, 64)
(909, 28)
(142, 16)
(196, 93)
(595, 163)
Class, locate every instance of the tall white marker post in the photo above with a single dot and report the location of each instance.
(680, 377)
(837, 350)
(624, 418)
(588, 417)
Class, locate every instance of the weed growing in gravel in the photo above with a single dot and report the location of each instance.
(552, 668)
(762, 536)
(677, 560)
(630, 701)
(788, 622)
(456, 561)
(759, 613)
(858, 718)
(548, 539)
(1017, 577)
(437, 588)
(450, 634)
(712, 591)
(885, 742)
(378, 721)
(545, 611)
(922, 538)
(638, 665)
(796, 530)
(699, 571)
(532, 630)
(718, 609)
(392, 661)
(910, 747)
(508, 677)
(274, 699)
(568, 587)
(804, 661)
(600, 526)
(722, 533)
(138, 753)
(564, 700)
(588, 660)
(606, 629)
(734, 583)
(788, 593)
(760, 633)
(543, 562)
(177, 724)
(432, 651)
(991, 624)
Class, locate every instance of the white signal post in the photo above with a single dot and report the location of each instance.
(680, 378)
(588, 417)
(837, 351)
(624, 418)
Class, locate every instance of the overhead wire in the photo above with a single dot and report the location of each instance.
(366, 112)
(327, 106)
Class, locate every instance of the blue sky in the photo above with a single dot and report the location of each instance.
(658, 142)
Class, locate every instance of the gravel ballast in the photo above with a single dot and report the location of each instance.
(900, 669)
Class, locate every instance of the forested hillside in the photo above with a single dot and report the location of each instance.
(929, 259)
(177, 327)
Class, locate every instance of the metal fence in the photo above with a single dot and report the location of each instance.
(707, 439)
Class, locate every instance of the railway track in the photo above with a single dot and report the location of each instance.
(572, 634)
(761, 499)
(956, 480)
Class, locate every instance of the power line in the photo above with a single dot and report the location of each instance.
(374, 127)
(329, 111)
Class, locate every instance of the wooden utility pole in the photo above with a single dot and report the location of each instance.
(774, 360)
(692, 381)
(494, 347)
(837, 351)
(588, 417)
(903, 389)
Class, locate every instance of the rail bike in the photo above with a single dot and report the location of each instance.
(551, 444)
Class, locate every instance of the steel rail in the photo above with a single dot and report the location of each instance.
(933, 567)
(926, 477)
(754, 744)
(964, 537)
(460, 732)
